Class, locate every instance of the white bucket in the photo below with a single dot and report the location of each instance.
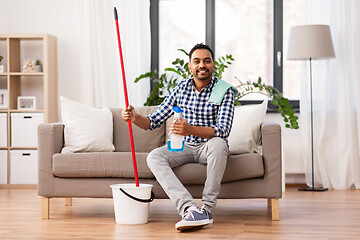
(131, 203)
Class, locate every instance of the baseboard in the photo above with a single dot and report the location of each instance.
(296, 179)
(295, 185)
(18, 186)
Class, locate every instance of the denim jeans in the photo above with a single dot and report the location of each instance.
(213, 154)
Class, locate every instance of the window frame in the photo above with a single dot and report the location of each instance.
(210, 40)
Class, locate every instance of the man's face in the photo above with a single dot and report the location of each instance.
(201, 64)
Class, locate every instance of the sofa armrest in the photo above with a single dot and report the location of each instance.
(50, 141)
(271, 144)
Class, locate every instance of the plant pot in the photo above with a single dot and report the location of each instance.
(38, 68)
(2, 68)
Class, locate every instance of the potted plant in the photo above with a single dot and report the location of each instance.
(2, 67)
(167, 81)
(38, 67)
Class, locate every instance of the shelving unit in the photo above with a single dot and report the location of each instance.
(16, 48)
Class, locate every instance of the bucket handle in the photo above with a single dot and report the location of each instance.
(138, 199)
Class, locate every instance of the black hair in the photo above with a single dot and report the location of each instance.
(201, 46)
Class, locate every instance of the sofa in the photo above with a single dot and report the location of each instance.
(90, 174)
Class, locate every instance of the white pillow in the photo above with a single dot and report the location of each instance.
(87, 129)
(245, 133)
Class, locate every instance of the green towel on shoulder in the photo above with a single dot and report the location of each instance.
(219, 91)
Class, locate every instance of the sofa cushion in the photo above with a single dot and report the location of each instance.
(245, 136)
(101, 164)
(87, 129)
(119, 164)
(144, 140)
(238, 167)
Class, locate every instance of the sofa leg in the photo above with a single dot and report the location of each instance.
(68, 201)
(45, 208)
(275, 211)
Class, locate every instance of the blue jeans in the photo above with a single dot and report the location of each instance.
(213, 154)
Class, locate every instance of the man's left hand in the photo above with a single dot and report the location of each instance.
(181, 127)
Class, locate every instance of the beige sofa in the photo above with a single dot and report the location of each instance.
(89, 175)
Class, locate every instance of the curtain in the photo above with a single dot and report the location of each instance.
(336, 98)
(101, 70)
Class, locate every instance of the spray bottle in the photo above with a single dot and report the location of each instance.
(176, 141)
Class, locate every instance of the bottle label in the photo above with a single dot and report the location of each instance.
(176, 149)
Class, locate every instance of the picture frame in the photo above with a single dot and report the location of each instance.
(28, 66)
(2, 68)
(26, 103)
(4, 99)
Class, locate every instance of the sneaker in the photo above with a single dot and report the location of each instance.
(207, 213)
(194, 218)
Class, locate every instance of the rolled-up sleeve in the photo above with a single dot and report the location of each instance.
(164, 111)
(225, 116)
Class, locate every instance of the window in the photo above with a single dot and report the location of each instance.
(181, 26)
(293, 15)
(245, 30)
(250, 30)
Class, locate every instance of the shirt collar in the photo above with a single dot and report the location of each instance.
(208, 87)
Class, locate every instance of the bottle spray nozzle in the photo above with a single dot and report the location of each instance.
(177, 109)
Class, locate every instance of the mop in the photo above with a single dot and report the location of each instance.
(126, 99)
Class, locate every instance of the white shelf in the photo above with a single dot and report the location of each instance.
(42, 85)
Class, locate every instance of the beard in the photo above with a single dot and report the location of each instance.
(203, 75)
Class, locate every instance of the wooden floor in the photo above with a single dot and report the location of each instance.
(303, 215)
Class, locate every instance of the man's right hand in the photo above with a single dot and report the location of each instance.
(128, 113)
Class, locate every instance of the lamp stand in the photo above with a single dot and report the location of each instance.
(312, 188)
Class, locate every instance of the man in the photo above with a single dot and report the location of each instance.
(205, 126)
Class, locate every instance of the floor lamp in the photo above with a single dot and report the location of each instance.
(311, 42)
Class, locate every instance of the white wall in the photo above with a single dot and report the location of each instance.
(292, 145)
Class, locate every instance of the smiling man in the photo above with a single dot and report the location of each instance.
(206, 127)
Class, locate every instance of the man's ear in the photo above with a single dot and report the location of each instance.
(189, 67)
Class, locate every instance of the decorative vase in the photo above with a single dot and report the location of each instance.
(38, 68)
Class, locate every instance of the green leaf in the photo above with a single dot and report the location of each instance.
(274, 102)
(142, 76)
(291, 111)
(287, 109)
(284, 101)
(278, 97)
(182, 50)
(152, 74)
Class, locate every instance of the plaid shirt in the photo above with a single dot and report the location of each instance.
(197, 110)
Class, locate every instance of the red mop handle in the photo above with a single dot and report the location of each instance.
(126, 99)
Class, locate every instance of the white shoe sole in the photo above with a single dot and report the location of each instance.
(187, 225)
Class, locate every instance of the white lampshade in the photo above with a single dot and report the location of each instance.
(310, 41)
